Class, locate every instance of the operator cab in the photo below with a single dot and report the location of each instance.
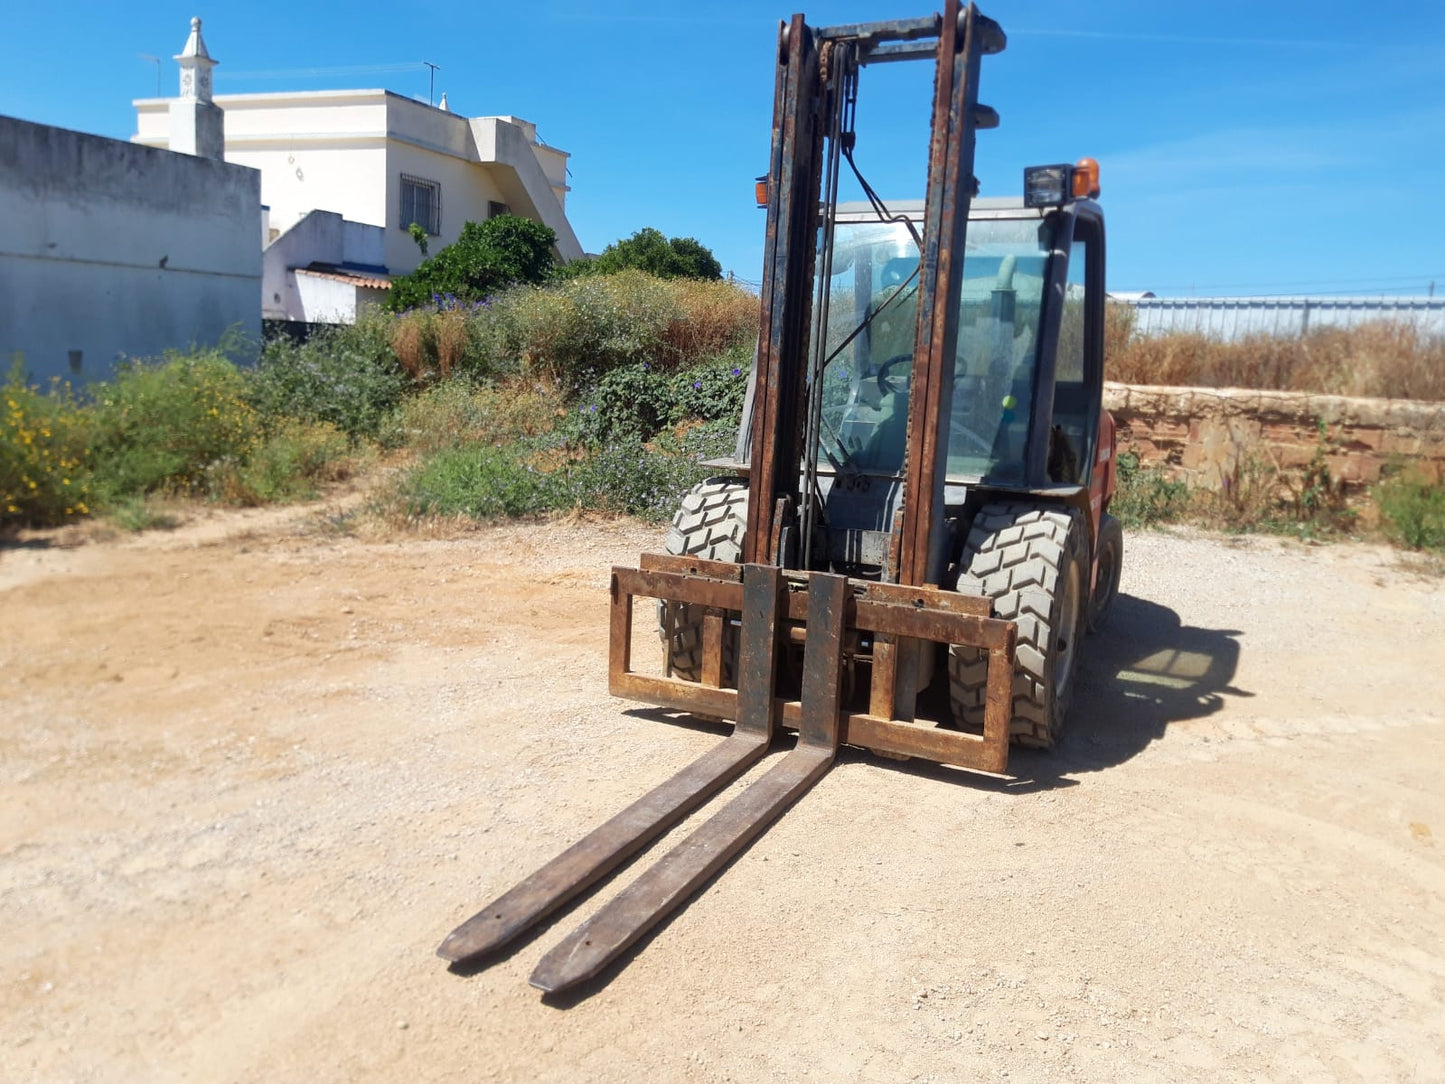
(1032, 290)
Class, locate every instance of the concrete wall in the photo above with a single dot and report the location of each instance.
(109, 249)
(466, 187)
(323, 300)
(320, 237)
(1202, 434)
(302, 178)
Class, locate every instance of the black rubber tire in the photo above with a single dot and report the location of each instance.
(1030, 560)
(1109, 562)
(710, 524)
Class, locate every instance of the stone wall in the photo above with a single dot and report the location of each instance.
(1202, 434)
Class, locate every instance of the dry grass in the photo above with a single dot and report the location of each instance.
(1384, 359)
(455, 412)
(408, 343)
(715, 316)
(430, 344)
(449, 331)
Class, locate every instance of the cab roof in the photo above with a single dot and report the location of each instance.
(979, 207)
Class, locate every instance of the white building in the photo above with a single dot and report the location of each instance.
(386, 161)
(323, 270)
(109, 250)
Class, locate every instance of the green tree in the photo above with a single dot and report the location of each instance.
(487, 257)
(667, 258)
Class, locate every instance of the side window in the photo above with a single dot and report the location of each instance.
(1071, 326)
(1071, 437)
(421, 202)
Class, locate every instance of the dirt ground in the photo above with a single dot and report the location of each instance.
(252, 770)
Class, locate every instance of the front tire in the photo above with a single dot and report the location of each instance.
(709, 524)
(1032, 563)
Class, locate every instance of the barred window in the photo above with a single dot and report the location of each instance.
(421, 202)
(494, 209)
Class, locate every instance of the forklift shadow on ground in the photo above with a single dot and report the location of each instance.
(1143, 672)
(1146, 670)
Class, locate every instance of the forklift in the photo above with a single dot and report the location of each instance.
(912, 536)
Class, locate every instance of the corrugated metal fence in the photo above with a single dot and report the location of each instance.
(1228, 318)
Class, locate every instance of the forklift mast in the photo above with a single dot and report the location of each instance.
(815, 97)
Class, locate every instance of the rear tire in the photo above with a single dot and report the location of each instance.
(709, 524)
(1109, 566)
(1031, 562)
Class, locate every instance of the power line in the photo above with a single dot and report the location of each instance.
(318, 73)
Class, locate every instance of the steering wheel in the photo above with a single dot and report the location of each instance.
(885, 387)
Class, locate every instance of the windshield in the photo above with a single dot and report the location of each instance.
(865, 386)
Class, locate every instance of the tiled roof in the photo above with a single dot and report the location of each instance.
(351, 276)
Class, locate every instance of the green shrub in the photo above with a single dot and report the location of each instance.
(458, 412)
(167, 425)
(637, 402)
(1146, 495)
(487, 258)
(286, 466)
(485, 481)
(666, 257)
(547, 474)
(650, 480)
(712, 391)
(628, 404)
(1412, 510)
(43, 479)
(140, 513)
(346, 376)
(577, 330)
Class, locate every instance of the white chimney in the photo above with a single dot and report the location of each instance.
(197, 124)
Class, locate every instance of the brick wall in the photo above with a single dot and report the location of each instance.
(1201, 434)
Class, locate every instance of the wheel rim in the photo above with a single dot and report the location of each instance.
(1067, 636)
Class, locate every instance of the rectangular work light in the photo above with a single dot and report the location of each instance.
(1047, 186)
(1052, 186)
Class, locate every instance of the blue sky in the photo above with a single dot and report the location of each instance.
(1245, 148)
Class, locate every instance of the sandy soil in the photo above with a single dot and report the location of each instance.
(253, 770)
